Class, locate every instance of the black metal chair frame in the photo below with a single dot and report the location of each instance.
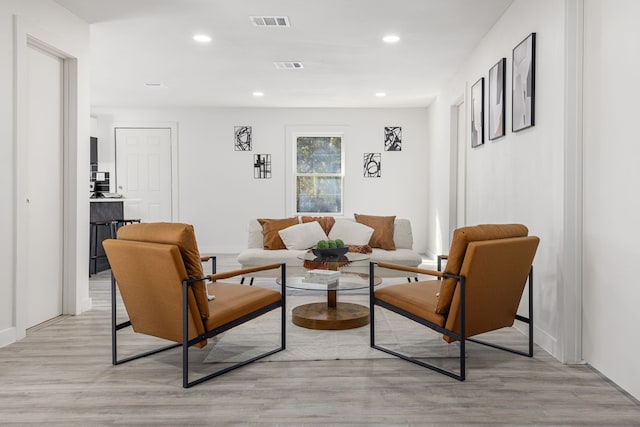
(186, 342)
(373, 301)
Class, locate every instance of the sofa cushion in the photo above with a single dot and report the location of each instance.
(402, 235)
(326, 222)
(383, 230)
(181, 235)
(351, 233)
(399, 256)
(270, 227)
(253, 257)
(302, 236)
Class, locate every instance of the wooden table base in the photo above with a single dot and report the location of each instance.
(320, 315)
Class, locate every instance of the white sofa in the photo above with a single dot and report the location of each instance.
(256, 255)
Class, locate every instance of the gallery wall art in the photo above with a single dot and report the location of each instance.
(523, 84)
(242, 138)
(497, 99)
(262, 166)
(393, 138)
(477, 113)
(372, 165)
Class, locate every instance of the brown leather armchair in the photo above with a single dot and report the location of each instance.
(479, 291)
(158, 271)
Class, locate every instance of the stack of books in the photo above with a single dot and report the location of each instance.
(321, 277)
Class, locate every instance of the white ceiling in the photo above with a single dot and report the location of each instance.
(134, 42)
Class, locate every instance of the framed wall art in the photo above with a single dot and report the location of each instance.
(497, 100)
(393, 138)
(477, 113)
(242, 138)
(262, 166)
(523, 84)
(372, 165)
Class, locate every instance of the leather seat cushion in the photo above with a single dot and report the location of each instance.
(233, 301)
(418, 298)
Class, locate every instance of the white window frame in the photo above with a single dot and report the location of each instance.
(293, 133)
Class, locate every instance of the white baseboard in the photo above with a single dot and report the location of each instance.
(541, 339)
(7, 336)
(86, 305)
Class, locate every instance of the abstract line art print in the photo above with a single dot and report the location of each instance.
(242, 138)
(393, 138)
(496, 99)
(262, 166)
(477, 113)
(372, 165)
(523, 95)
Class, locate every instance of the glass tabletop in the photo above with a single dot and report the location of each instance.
(347, 281)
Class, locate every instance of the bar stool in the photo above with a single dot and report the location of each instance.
(112, 227)
(117, 223)
(95, 243)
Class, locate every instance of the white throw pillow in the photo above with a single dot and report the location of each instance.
(302, 236)
(351, 232)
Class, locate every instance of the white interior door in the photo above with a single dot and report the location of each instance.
(461, 170)
(44, 184)
(143, 172)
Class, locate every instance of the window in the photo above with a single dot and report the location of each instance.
(319, 174)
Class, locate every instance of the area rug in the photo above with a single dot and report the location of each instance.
(262, 334)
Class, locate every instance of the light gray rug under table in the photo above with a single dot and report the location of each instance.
(262, 334)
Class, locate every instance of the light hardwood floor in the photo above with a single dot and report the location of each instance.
(61, 374)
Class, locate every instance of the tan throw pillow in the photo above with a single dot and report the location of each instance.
(326, 222)
(382, 230)
(270, 227)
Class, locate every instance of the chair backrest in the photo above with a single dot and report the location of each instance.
(461, 239)
(149, 277)
(495, 274)
(181, 235)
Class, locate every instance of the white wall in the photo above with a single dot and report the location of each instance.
(611, 204)
(528, 176)
(218, 193)
(518, 178)
(48, 22)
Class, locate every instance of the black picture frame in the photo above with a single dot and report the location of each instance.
(393, 138)
(372, 165)
(523, 84)
(477, 113)
(496, 102)
(242, 138)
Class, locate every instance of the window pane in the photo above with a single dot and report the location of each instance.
(319, 194)
(319, 154)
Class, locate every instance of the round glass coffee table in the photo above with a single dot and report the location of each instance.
(332, 314)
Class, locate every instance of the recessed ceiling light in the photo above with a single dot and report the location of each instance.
(202, 38)
(258, 94)
(391, 38)
(381, 94)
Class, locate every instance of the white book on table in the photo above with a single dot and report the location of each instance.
(322, 275)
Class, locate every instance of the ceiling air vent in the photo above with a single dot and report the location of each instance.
(270, 21)
(288, 65)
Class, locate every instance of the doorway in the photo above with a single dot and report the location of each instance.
(144, 172)
(44, 184)
(457, 187)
